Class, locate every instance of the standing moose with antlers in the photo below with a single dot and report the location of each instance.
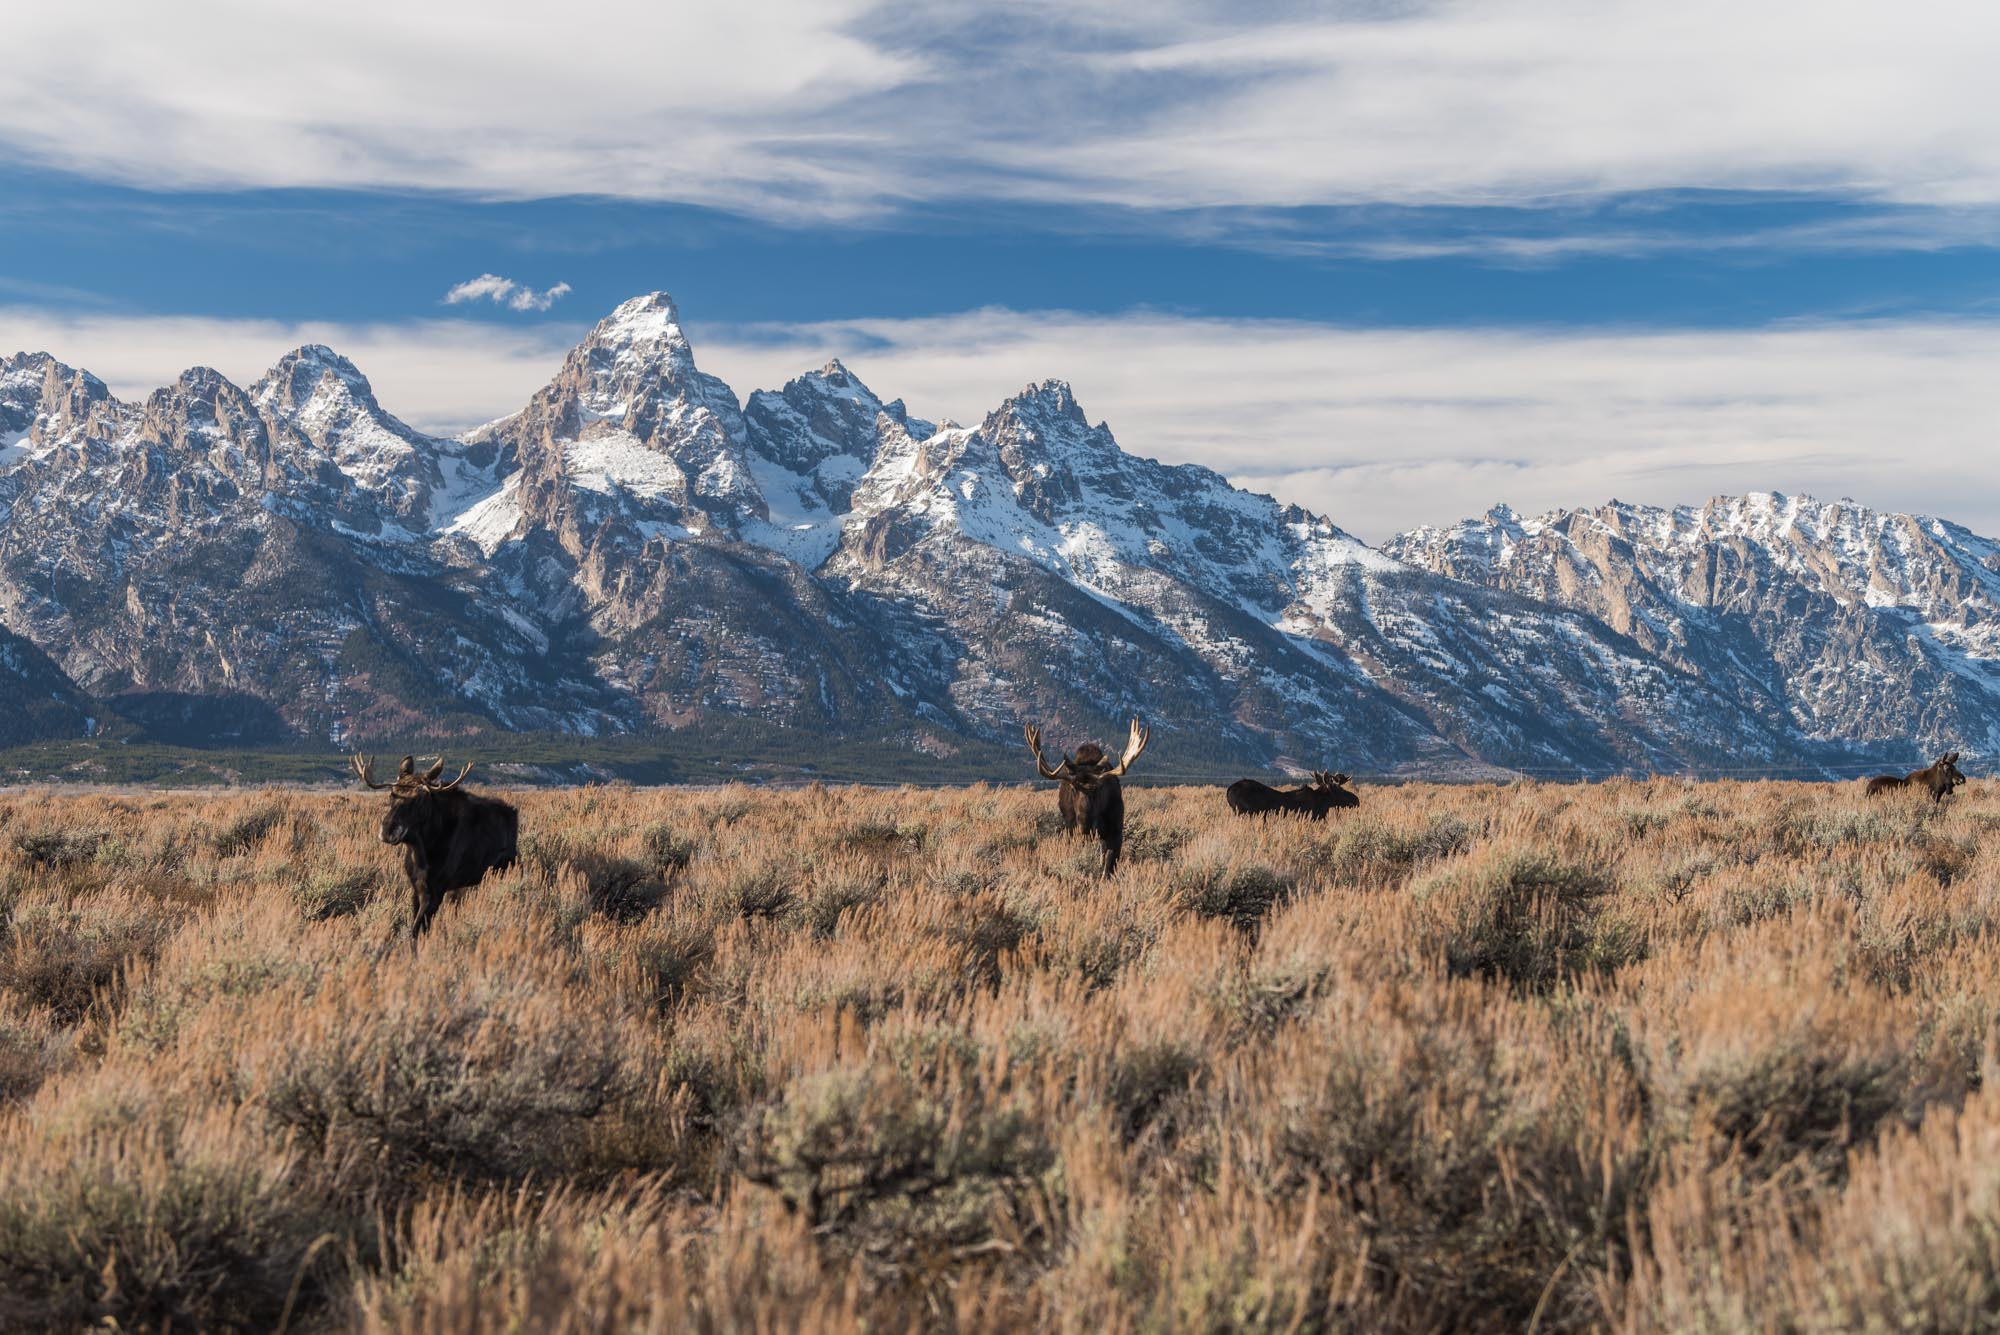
(1091, 796)
(450, 838)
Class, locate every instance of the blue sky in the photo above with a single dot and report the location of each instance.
(1396, 261)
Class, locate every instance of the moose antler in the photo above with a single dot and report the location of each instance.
(364, 769)
(1034, 736)
(430, 779)
(1133, 746)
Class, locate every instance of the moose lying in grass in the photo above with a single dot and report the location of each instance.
(1247, 797)
(1091, 797)
(1939, 779)
(450, 838)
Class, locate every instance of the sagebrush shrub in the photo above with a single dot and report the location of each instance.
(247, 831)
(65, 952)
(33, 1047)
(58, 849)
(493, 1077)
(196, 1225)
(667, 850)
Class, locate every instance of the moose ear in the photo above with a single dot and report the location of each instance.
(431, 774)
(409, 767)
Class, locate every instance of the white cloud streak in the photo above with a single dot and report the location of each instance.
(505, 292)
(833, 108)
(1382, 430)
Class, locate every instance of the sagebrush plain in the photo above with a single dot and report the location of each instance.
(1634, 1056)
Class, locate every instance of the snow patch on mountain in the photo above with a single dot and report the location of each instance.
(610, 462)
(490, 522)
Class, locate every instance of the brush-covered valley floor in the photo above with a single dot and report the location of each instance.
(1635, 1056)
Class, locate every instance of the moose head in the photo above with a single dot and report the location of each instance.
(411, 795)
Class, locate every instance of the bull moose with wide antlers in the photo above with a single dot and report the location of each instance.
(450, 838)
(1091, 797)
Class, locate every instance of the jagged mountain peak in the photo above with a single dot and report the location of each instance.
(314, 361)
(833, 379)
(200, 399)
(819, 417)
(400, 471)
(35, 387)
(200, 384)
(315, 382)
(651, 321)
(635, 360)
(1046, 399)
(22, 365)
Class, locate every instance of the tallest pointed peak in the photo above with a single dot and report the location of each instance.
(651, 318)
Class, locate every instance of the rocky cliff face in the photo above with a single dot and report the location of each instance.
(1845, 624)
(636, 550)
(39, 703)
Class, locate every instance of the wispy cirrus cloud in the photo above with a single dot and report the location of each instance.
(802, 109)
(505, 292)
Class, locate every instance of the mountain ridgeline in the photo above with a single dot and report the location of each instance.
(636, 553)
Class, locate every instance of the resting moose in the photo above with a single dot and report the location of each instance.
(1091, 796)
(1939, 779)
(450, 838)
(1247, 797)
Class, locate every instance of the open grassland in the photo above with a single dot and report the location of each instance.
(1638, 1056)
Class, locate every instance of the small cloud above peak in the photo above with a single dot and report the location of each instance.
(505, 292)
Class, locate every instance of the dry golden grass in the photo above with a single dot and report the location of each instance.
(1639, 1056)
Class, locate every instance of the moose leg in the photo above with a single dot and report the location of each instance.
(433, 900)
(424, 902)
(1111, 829)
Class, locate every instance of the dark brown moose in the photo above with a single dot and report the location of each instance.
(450, 838)
(1939, 779)
(1247, 797)
(1091, 798)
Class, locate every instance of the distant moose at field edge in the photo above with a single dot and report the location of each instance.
(1247, 797)
(450, 838)
(1939, 779)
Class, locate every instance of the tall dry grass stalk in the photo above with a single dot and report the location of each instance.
(1639, 1056)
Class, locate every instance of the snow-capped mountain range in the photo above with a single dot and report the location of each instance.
(635, 550)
